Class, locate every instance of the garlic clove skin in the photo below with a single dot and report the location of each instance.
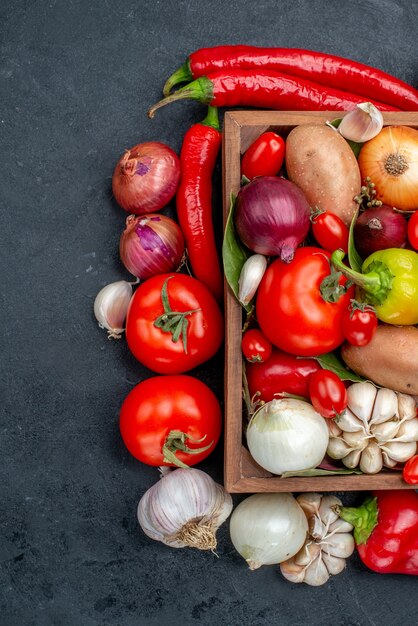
(400, 451)
(111, 305)
(357, 440)
(316, 574)
(307, 554)
(334, 429)
(352, 460)
(340, 545)
(310, 503)
(385, 431)
(387, 461)
(362, 123)
(334, 564)
(328, 511)
(361, 397)
(349, 423)
(385, 406)
(250, 277)
(338, 448)
(371, 461)
(341, 526)
(292, 572)
(407, 407)
(408, 431)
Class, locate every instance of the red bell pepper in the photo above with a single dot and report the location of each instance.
(386, 531)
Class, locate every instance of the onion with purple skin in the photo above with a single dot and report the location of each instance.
(146, 178)
(379, 228)
(272, 216)
(150, 245)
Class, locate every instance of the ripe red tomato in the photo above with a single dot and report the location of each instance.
(281, 372)
(290, 309)
(330, 231)
(264, 157)
(255, 346)
(413, 230)
(359, 324)
(177, 412)
(328, 393)
(410, 471)
(173, 324)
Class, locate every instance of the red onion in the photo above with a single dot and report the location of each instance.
(272, 216)
(146, 178)
(151, 245)
(378, 228)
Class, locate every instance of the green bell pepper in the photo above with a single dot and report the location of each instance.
(389, 281)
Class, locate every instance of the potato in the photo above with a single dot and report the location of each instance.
(322, 164)
(389, 360)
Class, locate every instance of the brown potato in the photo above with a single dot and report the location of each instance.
(389, 360)
(322, 164)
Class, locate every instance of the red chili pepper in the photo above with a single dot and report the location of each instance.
(265, 89)
(386, 531)
(325, 69)
(194, 200)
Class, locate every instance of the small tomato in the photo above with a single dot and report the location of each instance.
(255, 346)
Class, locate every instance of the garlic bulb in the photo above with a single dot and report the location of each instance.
(250, 277)
(268, 528)
(328, 544)
(185, 508)
(378, 429)
(111, 305)
(362, 123)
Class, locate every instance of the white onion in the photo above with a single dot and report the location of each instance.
(287, 435)
(268, 528)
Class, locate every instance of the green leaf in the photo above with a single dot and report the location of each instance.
(320, 472)
(233, 253)
(356, 147)
(331, 362)
(354, 258)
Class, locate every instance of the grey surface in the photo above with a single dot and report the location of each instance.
(76, 80)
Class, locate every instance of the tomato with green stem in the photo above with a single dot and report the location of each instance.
(255, 346)
(173, 324)
(328, 393)
(413, 230)
(264, 157)
(170, 420)
(329, 230)
(359, 323)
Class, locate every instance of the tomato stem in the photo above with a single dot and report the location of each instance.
(176, 441)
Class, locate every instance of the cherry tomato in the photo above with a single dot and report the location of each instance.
(328, 393)
(330, 231)
(170, 415)
(359, 324)
(413, 230)
(173, 324)
(291, 310)
(255, 346)
(281, 372)
(264, 157)
(410, 471)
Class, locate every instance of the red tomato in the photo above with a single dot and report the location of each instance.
(280, 373)
(410, 471)
(330, 231)
(328, 393)
(264, 157)
(291, 311)
(413, 230)
(255, 346)
(175, 337)
(161, 406)
(359, 324)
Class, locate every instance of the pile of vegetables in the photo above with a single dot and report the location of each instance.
(326, 222)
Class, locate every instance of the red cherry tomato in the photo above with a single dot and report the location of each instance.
(410, 471)
(330, 231)
(264, 157)
(255, 346)
(173, 324)
(359, 324)
(413, 230)
(175, 413)
(328, 393)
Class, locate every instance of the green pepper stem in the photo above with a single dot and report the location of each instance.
(376, 284)
(212, 118)
(182, 75)
(364, 519)
(200, 90)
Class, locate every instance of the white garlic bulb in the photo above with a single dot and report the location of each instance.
(378, 429)
(185, 508)
(329, 542)
(250, 277)
(111, 305)
(362, 123)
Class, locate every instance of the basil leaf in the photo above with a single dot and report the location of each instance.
(331, 362)
(354, 145)
(233, 253)
(353, 256)
(320, 472)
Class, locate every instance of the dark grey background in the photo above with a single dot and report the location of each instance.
(77, 78)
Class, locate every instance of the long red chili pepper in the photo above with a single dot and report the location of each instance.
(386, 531)
(265, 89)
(194, 200)
(325, 69)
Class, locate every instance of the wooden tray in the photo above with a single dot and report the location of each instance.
(241, 472)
